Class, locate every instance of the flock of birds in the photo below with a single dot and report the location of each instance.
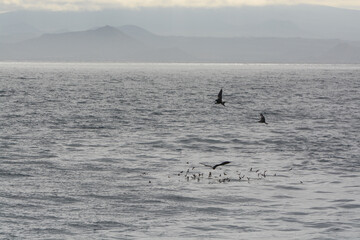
(224, 176)
(193, 174)
(219, 100)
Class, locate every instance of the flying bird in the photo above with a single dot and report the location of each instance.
(262, 119)
(219, 99)
(217, 165)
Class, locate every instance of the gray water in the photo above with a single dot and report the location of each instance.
(116, 151)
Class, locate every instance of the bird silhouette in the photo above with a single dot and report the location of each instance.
(219, 99)
(262, 119)
(217, 165)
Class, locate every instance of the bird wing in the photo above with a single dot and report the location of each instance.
(220, 95)
(220, 164)
(262, 118)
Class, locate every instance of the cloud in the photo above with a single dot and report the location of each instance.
(77, 5)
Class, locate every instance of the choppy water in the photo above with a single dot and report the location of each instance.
(114, 151)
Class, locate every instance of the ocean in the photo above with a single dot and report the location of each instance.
(122, 151)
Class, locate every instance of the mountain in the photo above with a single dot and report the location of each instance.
(253, 49)
(297, 21)
(151, 39)
(101, 44)
(91, 44)
(131, 43)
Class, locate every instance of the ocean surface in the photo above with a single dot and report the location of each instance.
(119, 151)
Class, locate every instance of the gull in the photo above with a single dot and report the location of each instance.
(217, 165)
(262, 119)
(219, 99)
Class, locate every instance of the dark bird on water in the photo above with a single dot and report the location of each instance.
(219, 99)
(217, 165)
(262, 119)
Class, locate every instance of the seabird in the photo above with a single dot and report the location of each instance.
(262, 119)
(215, 166)
(219, 99)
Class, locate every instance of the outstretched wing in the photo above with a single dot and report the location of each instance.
(220, 95)
(262, 118)
(220, 164)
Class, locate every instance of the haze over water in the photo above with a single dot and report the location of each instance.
(100, 151)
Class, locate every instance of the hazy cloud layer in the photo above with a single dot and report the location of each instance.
(77, 5)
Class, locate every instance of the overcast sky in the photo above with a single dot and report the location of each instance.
(78, 5)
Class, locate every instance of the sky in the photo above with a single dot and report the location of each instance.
(92, 5)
